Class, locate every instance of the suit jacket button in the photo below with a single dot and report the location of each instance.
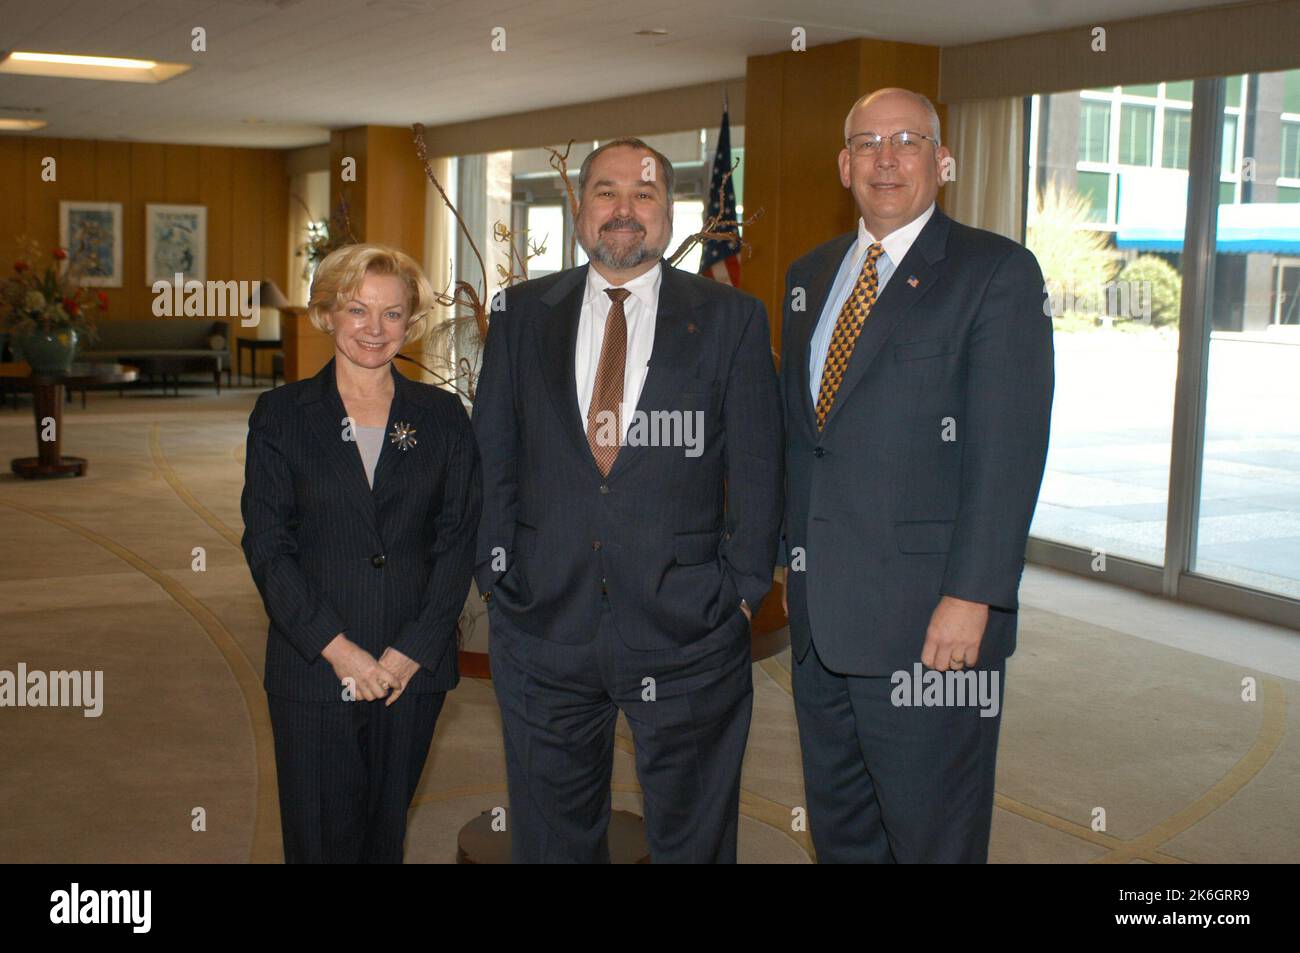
(819, 451)
(604, 488)
(377, 560)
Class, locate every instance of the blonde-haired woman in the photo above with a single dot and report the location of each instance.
(361, 499)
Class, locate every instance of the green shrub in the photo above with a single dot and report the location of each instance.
(1077, 262)
(1166, 286)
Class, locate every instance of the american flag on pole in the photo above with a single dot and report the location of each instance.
(720, 259)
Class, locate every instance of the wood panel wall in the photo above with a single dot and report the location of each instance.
(246, 192)
(791, 146)
(386, 205)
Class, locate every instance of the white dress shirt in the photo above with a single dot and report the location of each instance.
(897, 243)
(641, 307)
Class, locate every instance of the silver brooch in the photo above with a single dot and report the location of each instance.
(403, 435)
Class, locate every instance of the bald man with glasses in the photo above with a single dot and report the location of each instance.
(917, 392)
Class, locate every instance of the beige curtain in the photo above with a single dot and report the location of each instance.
(986, 138)
(437, 265)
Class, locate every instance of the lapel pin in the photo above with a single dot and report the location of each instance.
(691, 328)
(912, 281)
(403, 435)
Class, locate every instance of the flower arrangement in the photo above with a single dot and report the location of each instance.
(48, 298)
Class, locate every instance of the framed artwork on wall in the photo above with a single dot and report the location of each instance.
(92, 232)
(176, 242)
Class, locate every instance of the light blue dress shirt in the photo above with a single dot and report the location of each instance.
(896, 243)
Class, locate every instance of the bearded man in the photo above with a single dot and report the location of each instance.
(616, 403)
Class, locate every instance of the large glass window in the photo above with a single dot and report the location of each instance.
(1107, 220)
(1102, 238)
(1248, 521)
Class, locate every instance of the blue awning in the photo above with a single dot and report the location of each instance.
(1268, 227)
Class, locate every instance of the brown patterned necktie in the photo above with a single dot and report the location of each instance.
(607, 394)
(847, 328)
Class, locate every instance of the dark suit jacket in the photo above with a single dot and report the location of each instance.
(674, 557)
(889, 514)
(388, 567)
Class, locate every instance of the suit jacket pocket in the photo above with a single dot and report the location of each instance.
(514, 583)
(931, 347)
(929, 536)
(690, 549)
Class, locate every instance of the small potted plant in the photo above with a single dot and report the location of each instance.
(47, 311)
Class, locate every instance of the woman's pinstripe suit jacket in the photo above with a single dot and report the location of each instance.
(388, 567)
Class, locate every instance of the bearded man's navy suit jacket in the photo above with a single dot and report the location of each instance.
(674, 540)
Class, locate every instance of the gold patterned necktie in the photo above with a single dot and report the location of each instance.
(607, 393)
(847, 328)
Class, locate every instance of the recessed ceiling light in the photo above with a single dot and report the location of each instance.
(21, 125)
(76, 66)
(654, 31)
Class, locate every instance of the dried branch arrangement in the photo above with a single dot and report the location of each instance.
(469, 305)
(718, 228)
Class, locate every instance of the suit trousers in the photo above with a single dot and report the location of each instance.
(688, 708)
(347, 772)
(889, 783)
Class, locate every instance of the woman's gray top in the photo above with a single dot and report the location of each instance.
(370, 440)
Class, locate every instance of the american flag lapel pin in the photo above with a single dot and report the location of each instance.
(912, 281)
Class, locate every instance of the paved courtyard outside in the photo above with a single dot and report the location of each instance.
(1107, 479)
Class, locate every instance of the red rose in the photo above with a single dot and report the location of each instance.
(70, 305)
(103, 299)
(59, 254)
(20, 266)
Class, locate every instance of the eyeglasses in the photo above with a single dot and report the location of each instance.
(905, 143)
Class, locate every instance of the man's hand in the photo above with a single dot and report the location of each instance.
(744, 607)
(350, 660)
(955, 632)
(401, 670)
